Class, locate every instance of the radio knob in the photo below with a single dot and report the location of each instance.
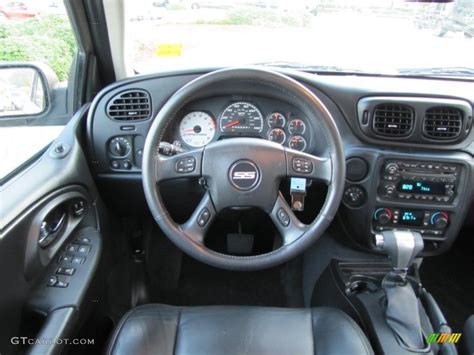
(439, 219)
(391, 168)
(390, 188)
(383, 215)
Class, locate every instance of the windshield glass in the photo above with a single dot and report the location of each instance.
(371, 36)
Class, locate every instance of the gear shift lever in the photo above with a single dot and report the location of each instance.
(401, 246)
(402, 311)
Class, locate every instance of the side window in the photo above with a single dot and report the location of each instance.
(37, 48)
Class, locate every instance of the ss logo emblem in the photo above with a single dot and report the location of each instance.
(244, 175)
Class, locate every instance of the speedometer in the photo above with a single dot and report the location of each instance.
(197, 129)
(241, 117)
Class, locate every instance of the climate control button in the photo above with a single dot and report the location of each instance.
(439, 219)
(383, 215)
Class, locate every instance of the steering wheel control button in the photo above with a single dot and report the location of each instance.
(186, 165)
(283, 217)
(203, 217)
(65, 271)
(52, 280)
(244, 175)
(302, 166)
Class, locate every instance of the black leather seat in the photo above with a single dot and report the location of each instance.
(160, 329)
(468, 335)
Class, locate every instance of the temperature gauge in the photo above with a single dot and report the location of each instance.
(276, 119)
(277, 135)
(297, 126)
(297, 143)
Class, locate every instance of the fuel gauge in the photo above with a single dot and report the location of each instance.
(277, 135)
(297, 143)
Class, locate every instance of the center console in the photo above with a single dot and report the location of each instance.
(386, 297)
(427, 194)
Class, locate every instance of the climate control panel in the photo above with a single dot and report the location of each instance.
(429, 223)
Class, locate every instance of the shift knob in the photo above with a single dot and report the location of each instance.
(401, 246)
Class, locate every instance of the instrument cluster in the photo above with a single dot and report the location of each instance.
(277, 122)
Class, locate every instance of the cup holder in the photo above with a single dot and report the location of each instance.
(362, 284)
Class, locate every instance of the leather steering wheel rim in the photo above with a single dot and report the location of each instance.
(331, 170)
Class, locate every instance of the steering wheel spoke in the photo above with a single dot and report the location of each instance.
(308, 166)
(183, 165)
(198, 224)
(286, 222)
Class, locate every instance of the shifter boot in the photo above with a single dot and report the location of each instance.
(402, 313)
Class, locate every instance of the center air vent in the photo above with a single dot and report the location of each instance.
(442, 122)
(132, 105)
(392, 120)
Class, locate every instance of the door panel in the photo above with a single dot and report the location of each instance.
(53, 201)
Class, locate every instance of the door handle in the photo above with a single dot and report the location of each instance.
(49, 231)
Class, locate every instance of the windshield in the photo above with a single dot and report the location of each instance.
(370, 36)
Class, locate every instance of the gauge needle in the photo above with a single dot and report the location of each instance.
(231, 124)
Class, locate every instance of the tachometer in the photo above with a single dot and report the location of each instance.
(197, 129)
(241, 117)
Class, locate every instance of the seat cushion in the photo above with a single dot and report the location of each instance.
(468, 335)
(160, 329)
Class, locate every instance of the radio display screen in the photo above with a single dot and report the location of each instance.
(411, 217)
(421, 187)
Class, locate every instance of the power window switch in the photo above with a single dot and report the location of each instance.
(65, 259)
(52, 280)
(62, 284)
(65, 271)
(78, 260)
(72, 248)
(83, 240)
(84, 249)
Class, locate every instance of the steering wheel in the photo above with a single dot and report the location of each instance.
(243, 172)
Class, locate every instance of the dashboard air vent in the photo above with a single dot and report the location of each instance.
(132, 105)
(392, 120)
(443, 122)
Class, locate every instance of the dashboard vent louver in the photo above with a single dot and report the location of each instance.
(131, 105)
(392, 120)
(443, 122)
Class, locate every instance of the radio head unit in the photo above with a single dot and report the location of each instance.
(413, 180)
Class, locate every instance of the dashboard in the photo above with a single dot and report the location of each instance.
(409, 142)
(205, 121)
